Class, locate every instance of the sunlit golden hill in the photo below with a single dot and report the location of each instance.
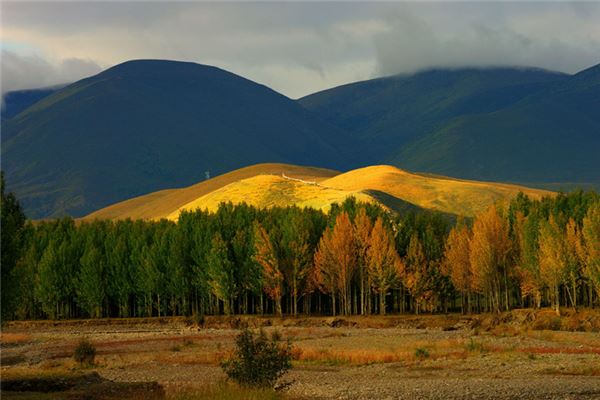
(265, 191)
(162, 203)
(268, 185)
(450, 195)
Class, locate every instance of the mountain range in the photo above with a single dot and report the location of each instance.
(148, 125)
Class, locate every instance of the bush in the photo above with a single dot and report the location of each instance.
(421, 353)
(258, 360)
(85, 352)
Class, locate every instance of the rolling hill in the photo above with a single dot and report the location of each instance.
(163, 203)
(497, 124)
(146, 125)
(268, 185)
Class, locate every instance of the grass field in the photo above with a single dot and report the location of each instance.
(507, 356)
(266, 185)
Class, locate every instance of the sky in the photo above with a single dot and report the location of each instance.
(295, 48)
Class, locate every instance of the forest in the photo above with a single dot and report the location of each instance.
(355, 259)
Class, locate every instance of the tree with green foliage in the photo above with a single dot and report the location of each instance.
(221, 273)
(12, 225)
(91, 282)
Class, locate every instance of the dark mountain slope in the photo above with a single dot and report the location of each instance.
(390, 112)
(501, 124)
(552, 135)
(147, 125)
(15, 102)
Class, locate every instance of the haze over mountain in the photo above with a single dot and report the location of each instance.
(147, 125)
(499, 124)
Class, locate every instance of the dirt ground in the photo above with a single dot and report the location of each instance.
(510, 356)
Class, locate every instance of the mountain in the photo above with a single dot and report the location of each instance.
(498, 124)
(268, 185)
(16, 101)
(146, 125)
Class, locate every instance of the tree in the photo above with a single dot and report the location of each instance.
(221, 273)
(266, 257)
(589, 249)
(457, 263)
(335, 262)
(490, 250)
(417, 275)
(573, 261)
(526, 231)
(362, 234)
(384, 264)
(91, 284)
(12, 224)
(552, 259)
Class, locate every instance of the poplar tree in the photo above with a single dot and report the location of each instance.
(221, 273)
(457, 263)
(266, 257)
(362, 234)
(552, 259)
(384, 264)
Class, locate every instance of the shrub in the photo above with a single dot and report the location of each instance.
(85, 352)
(473, 346)
(258, 360)
(421, 353)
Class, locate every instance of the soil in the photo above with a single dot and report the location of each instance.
(482, 357)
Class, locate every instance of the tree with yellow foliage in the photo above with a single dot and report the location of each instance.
(266, 257)
(489, 256)
(417, 278)
(457, 263)
(589, 249)
(384, 264)
(362, 234)
(335, 262)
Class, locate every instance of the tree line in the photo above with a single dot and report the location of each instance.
(355, 259)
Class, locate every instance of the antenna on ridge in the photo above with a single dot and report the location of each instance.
(207, 174)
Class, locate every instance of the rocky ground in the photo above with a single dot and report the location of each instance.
(430, 357)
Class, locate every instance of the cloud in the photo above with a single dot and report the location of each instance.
(295, 48)
(31, 71)
(559, 39)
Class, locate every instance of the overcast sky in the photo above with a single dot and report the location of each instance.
(295, 48)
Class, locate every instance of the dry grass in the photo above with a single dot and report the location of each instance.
(262, 185)
(265, 191)
(456, 196)
(227, 391)
(7, 338)
(162, 203)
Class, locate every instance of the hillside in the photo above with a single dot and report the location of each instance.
(268, 185)
(147, 125)
(162, 203)
(265, 191)
(498, 124)
(449, 195)
(17, 101)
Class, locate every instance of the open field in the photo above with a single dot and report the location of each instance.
(505, 356)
